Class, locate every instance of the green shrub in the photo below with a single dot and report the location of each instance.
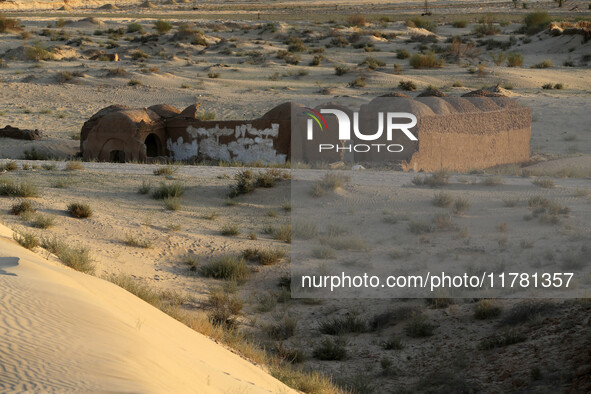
(427, 60)
(419, 327)
(442, 199)
(37, 53)
(9, 24)
(79, 210)
(21, 189)
(343, 325)
(173, 190)
(23, 207)
(77, 258)
(264, 256)
(514, 60)
(172, 203)
(227, 268)
(162, 26)
(230, 230)
(331, 349)
(131, 240)
(536, 21)
(26, 240)
(135, 28)
(42, 221)
(422, 23)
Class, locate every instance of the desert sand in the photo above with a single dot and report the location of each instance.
(232, 64)
(66, 331)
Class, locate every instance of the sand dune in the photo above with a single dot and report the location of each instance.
(61, 331)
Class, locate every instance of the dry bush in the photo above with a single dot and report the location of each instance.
(77, 258)
(9, 24)
(79, 210)
(357, 20)
(227, 267)
(427, 60)
(23, 208)
(514, 60)
(26, 240)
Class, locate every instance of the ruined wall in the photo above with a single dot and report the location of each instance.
(485, 132)
(264, 139)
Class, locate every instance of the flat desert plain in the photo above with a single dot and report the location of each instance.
(171, 235)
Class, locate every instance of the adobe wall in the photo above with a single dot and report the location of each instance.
(472, 140)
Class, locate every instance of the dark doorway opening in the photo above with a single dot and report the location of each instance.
(117, 156)
(153, 146)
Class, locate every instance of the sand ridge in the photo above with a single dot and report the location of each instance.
(66, 331)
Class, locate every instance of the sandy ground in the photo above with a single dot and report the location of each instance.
(489, 235)
(253, 80)
(66, 331)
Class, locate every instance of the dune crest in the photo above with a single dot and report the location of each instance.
(66, 331)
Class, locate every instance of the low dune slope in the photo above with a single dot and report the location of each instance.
(63, 331)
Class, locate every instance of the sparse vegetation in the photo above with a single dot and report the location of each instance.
(173, 190)
(442, 199)
(514, 59)
(26, 240)
(131, 240)
(21, 189)
(407, 86)
(264, 256)
(330, 182)
(427, 60)
(486, 309)
(331, 349)
(79, 210)
(227, 267)
(77, 258)
(23, 207)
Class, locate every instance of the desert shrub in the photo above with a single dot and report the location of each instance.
(227, 267)
(486, 27)
(224, 308)
(419, 227)
(134, 82)
(9, 24)
(559, 86)
(77, 258)
(282, 329)
(442, 221)
(486, 309)
(422, 23)
(172, 190)
(536, 21)
(131, 240)
(427, 60)
(492, 181)
(295, 44)
(79, 210)
(459, 23)
(135, 28)
(330, 182)
(419, 327)
(166, 170)
(288, 57)
(544, 64)
(442, 199)
(145, 187)
(498, 58)
(343, 325)
(525, 312)
(139, 55)
(162, 26)
(357, 20)
(316, 60)
(26, 240)
(117, 72)
(402, 54)
(23, 207)
(172, 203)
(391, 317)
(22, 189)
(461, 205)
(331, 349)
(547, 86)
(407, 85)
(264, 256)
(506, 338)
(42, 221)
(543, 182)
(37, 53)
(246, 181)
(358, 82)
(341, 69)
(514, 60)
(74, 165)
(372, 63)
(10, 166)
(230, 230)
(436, 179)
